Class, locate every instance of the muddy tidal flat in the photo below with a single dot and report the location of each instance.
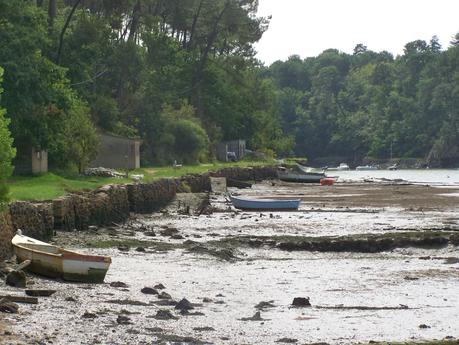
(377, 260)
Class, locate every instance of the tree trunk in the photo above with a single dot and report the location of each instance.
(197, 78)
(61, 37)
(193, 26)
(51, 15)
(135, 20)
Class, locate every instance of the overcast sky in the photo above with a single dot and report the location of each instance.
(308, 27)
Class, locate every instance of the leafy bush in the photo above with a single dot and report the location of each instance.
(7, 152)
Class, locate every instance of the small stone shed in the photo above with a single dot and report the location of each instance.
(236, 146)
(30, 160)
(117, 152)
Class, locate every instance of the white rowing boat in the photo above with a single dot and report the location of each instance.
(52, 261)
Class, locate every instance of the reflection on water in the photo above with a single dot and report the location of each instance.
(430, 176)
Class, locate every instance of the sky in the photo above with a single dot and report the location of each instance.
(308, 27)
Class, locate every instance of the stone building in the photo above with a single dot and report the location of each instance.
(117, 152)
(236, 146)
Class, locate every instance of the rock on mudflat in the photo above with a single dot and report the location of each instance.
(164, 295)
(8, 307)
(164, 314)
(118, 284)
(16, 279)
(149, 291)
(287, 340)
(159, 286)
(184, 304)
(264, 305)
(255, 317)
(301, 302)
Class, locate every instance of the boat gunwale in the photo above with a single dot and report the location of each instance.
(64, 255)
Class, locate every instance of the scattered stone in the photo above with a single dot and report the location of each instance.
(411, 278)
(255, 317)
(8, 307)
(168, 232)
(424, 326)
(265, 305)
(123, 320)
(177, 237)
(126, 302)
(165, 314)
(150, 233)
(164, 295)
(149, 291)
(40, 293)
(88, 315)
(159, 286)
(287, 340)
(207, 300)
(123, 248)
(16, 279)
(70, 299)
(119, 285)
(184, 304)
(301, 302)
(219, 295)
(140, 249)
(204, 329)
(165, 303)
(93, 228)
(187, 313)
(451, 261)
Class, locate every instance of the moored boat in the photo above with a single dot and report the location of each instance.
(366, 167)
(264, 204)
(300, 174)
(341, 167)
(52, 261)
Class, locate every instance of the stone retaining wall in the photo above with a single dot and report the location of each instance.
(108, 204)
(6, 234)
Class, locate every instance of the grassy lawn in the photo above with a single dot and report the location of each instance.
(50, 186)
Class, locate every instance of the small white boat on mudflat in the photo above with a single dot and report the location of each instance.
(52, 261)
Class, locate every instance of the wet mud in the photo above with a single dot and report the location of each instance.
(375, 261)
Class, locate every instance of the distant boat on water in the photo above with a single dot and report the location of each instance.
(300, 174)
(341, 167)
(264, 204)
(366, 167)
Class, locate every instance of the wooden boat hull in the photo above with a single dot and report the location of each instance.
(55, 262)
(264, 204)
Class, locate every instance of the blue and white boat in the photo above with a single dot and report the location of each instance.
(264, 204)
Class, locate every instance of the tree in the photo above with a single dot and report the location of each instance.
(78, 143)
(7, 152)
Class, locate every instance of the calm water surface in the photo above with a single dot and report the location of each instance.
(430, 176)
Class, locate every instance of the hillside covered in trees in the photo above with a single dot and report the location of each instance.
(371, 104)
(182, 75)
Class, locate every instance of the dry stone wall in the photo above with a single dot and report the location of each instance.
(6, 234)
(107, 205)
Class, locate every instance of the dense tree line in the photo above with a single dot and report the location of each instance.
(180, 74)
(371, 104)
